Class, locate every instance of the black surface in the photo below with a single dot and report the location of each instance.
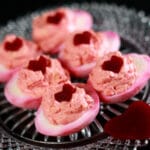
(10, 9)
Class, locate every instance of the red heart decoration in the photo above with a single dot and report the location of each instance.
(133, 124)
(82, 38)
(56, 18)
(15, 45)
(39, 65)
(65, 94)
(114, 64)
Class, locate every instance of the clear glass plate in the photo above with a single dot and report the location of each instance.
(17, 125)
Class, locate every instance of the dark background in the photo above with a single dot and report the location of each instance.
(10, 9)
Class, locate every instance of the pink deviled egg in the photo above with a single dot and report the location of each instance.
(51, 28)
(66, 109)
(118, 77)
(15, 51)
(26, 87)
(83, 48)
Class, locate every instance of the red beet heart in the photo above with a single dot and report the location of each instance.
(133, 124)
(39, 65)
(114, 64)
(82, 38)
(15, 45)
(65, 94)
(56, 18)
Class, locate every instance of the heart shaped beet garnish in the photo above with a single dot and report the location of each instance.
(14, 45)
(82, 38)
(65, 94)
(134, 123)
(39, 65)
(56, 18)
(114, 64)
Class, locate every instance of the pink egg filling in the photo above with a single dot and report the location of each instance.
(66, 109)
(56, 74)
(141, 64)
(86, 47)
(30, 82)
(116, 81)
(80, 48)
(74, 99)
(113, 74)
(49, 28)
(15, 52)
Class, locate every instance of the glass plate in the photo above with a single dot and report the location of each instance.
(17, 125)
